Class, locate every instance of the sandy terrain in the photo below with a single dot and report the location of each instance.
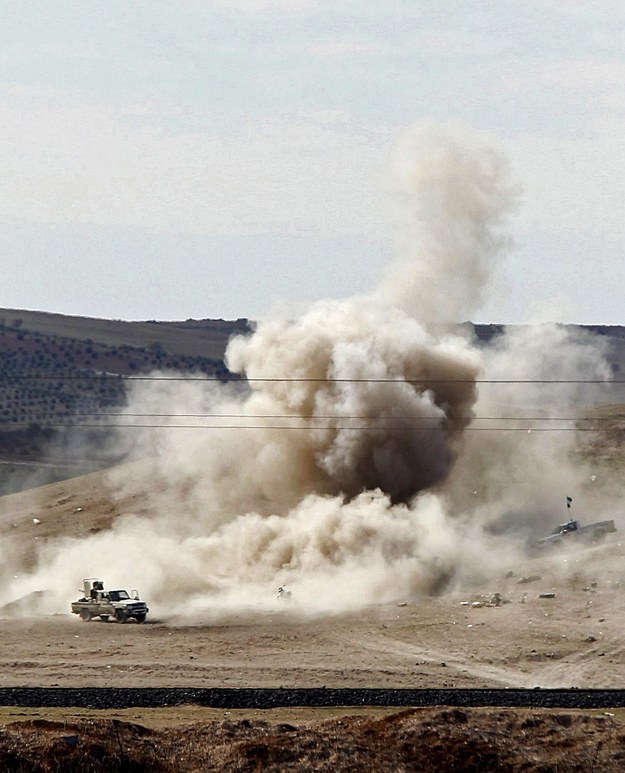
(570, 639)
(456, 640)
(557, 621)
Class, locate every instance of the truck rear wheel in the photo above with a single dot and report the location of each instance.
(85, 615)
(598, 536)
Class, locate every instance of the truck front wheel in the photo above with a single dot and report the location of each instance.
(120, 616)
(140, 618)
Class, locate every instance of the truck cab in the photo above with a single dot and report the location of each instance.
(565, 528)
(116, 604)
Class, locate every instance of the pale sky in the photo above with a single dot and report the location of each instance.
(209, 158)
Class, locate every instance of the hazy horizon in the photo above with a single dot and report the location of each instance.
(222, 158)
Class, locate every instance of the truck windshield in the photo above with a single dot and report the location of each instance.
(119, 595)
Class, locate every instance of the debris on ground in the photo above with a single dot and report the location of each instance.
(531, 578)
(496, 600)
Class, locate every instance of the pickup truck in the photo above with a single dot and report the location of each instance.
(116, 604)
(593, 532)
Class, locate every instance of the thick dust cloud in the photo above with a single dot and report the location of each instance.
(377, 402)
(523, 454)
(355, 465)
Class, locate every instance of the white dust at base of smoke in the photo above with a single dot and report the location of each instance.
(330, 554)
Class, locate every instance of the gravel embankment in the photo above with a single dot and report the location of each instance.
(120, 698)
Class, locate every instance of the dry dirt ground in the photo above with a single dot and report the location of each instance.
(573, 638)
(552, 620)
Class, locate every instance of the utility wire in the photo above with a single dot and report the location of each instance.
(436, 427)
(234, 378)
(329, 417)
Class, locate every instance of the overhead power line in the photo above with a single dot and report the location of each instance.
(301, 427)
(234, 378)
(327, 416)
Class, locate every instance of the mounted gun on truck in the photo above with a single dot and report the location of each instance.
(116, 604)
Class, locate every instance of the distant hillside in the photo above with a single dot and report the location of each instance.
(54, 366)
(204, 337)
(59, 373)
(611, 335)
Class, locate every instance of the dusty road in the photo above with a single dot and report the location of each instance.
(561, 630)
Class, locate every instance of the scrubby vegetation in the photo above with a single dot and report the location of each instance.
(420, 739)
(58, 386)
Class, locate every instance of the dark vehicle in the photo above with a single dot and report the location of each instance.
(594, 532)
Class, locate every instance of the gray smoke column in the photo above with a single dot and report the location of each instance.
(450, 191)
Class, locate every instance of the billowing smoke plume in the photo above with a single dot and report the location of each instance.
(352, 465)
(450, 192)
(376, 401)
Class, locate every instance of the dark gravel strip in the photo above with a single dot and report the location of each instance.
(148, 697)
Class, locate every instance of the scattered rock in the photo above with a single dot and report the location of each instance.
(497, 600)
(531, 578)
(546, 595)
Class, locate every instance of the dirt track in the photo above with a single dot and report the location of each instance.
(570, 639)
